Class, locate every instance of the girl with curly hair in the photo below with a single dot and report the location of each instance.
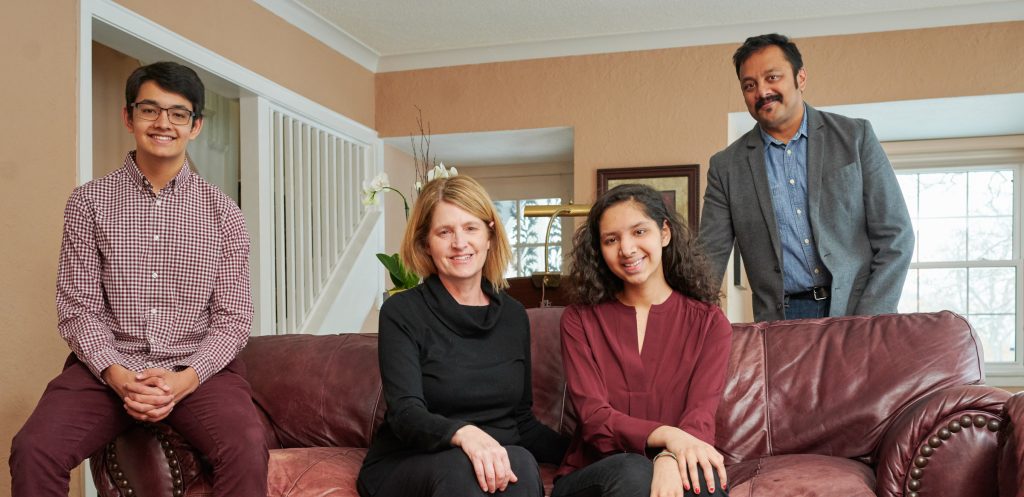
(645, 349)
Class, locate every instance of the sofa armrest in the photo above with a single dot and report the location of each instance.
(945, 442)
(148, 460)
(1011, 448)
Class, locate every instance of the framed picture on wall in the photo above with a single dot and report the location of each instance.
(679, 186)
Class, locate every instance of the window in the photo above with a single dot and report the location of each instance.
(967, 258)
(526, 235)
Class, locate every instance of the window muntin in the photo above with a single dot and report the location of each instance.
(967, 256)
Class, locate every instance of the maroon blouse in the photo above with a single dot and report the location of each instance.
(620, 395)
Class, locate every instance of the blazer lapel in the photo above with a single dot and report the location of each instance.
(755, 160)
(815, 164)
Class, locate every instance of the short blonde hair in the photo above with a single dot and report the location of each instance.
(465, 193)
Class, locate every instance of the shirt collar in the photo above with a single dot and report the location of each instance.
(181, 179)
(771, 140)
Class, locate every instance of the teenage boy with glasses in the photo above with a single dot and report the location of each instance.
(153, 299)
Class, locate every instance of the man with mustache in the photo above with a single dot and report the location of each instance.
(808, 196)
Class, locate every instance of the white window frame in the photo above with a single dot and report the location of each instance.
(977, 154)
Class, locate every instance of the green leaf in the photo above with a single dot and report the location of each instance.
(401, 276)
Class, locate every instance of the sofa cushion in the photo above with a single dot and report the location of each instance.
(317, 390)
(318, 471)
(833, 386)
(550, 404)
(803, 475)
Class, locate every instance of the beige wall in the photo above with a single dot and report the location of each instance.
(519, 181)
(39, 140)
(37, 171)
(253, 37)
(670, 106)
(402, 175)
(110, 139)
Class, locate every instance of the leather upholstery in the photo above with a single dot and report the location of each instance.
(1011, 448)
(888, 405)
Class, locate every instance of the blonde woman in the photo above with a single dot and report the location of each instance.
(455, 362)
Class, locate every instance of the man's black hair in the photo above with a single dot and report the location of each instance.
(172, 77)
(755, 44)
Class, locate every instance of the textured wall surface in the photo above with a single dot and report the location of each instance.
(670, 106)
(253, 37)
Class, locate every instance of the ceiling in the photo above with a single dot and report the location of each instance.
(390, 35)
(393, 27)
(393, 35)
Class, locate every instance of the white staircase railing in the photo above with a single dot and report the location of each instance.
(304, 205)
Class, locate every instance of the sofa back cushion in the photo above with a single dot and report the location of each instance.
(832, 386)
(317, 390)
(325, 390)
(550, 404)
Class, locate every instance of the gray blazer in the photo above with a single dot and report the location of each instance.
(857, 214)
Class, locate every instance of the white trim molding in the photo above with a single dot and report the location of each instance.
(339, 40)
(327, 32)
(113, 21)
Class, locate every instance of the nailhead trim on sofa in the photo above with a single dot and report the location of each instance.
(928, 448)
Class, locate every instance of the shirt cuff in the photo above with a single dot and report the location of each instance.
(202, 367)
(100, 361)
(635, 434)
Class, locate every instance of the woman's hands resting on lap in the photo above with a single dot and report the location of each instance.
(690, 453)
(489, 458)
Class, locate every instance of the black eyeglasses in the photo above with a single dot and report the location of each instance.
(151, 112)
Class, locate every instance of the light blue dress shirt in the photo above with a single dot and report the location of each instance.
(786, 165)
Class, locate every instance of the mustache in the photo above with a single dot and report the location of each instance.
(761, 102)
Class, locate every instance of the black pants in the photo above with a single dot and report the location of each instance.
(621, 475)
(450, 474)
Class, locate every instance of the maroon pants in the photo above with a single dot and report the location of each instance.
(78, 415)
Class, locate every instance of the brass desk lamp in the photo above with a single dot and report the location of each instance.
(551, 279)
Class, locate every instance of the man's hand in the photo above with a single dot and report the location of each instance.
(179, 385)
(143, 400)
(490, 460)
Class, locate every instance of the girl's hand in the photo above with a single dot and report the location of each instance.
(691, 453)
(490, 460)
(667, 481)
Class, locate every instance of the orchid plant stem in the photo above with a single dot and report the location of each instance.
(405, 203)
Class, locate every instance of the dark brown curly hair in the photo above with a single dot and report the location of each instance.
(685, 266)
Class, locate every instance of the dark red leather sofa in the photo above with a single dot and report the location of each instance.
(858, 406)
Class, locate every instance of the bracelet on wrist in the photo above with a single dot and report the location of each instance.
(665, 453)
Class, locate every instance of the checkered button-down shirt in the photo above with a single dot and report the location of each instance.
(153, 280)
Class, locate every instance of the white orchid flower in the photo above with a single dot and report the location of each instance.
(418, 186)
(439, 171)
(369, 196)
(380, 182)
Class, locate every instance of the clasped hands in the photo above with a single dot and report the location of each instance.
(676, 473)
(152, 394)
(490, 460)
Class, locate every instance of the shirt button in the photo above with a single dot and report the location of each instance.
(158, 202)
(798, 211)
(156, 238)
(154, 275)
(792, 181)
(806, 241)
(789, 152)
(816, 271)
(153, 311)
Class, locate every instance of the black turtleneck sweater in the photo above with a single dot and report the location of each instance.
(445, 365)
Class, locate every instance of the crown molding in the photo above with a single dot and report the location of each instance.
(323, 30)
(334, 37)
(796, 28)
